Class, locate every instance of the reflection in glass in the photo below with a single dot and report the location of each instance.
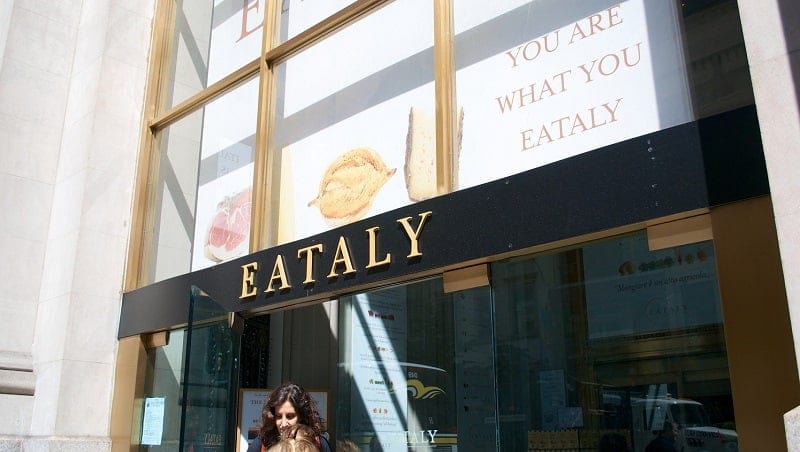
(416, 373)
(344, 120)
(210, 378)
(607, 342)
(611, 339)
(191, 383)
(211, 40)
(202, 189)
(175, 187)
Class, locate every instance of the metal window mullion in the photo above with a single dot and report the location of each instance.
(323, 29)
(264, 155)
(147, 165)
(444, 76)
(205, 96)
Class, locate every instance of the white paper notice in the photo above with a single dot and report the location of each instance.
(153, 424)
(378, 354)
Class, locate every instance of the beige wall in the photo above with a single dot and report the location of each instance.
(71, 91)
(775, 67)
(758, 333)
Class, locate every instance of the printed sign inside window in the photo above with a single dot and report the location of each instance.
(631, 290)
(542, 81)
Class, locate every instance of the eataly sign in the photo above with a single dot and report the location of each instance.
(341, 261)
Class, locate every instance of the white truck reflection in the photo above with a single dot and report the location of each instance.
(695, 432)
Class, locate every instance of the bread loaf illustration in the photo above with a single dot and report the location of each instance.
(350, 184)
(420, 167)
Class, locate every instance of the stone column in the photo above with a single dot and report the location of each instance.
(772, 38)
(71, 93)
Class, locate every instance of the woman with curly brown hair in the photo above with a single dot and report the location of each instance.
(287, 406)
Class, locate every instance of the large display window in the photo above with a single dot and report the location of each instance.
(562, 350)
(355, 130)
(604, 342)
(542, 81)
(611, 339)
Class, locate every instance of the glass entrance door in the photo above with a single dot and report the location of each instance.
(210, 377)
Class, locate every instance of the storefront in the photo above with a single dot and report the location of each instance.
(520, 226)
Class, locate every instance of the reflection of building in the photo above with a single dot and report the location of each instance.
(549, 291)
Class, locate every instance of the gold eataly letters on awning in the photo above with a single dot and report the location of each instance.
(341, 261)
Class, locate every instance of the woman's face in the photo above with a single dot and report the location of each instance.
(285, 416)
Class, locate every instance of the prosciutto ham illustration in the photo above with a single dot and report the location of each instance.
(229, 231)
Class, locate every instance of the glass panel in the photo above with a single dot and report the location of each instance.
(225, 179)
(612, 341)
(203, 186)
(541, 81)
(211, 40)
(347, 122)
(189, 398)
(416, 370)
(175, 187)
(158, 427)
(298, 15)
(210, 378)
